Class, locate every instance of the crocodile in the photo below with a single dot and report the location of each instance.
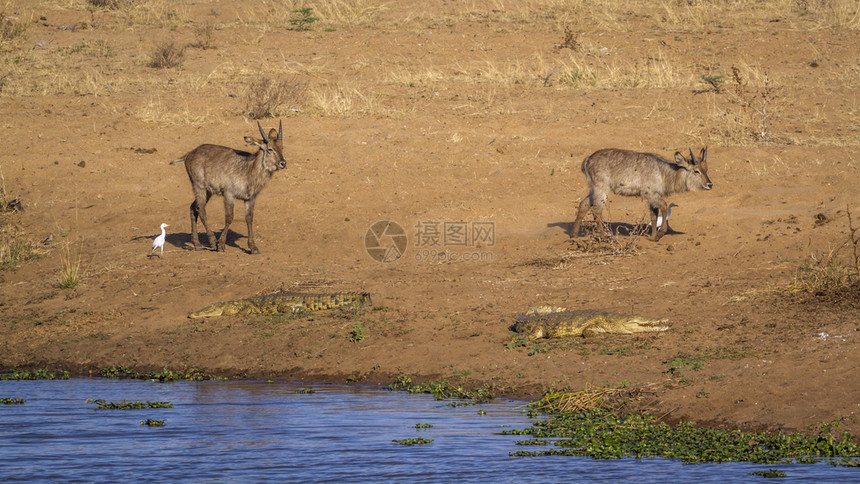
(285, 302)
(551, 322)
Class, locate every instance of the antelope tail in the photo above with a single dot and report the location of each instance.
(178, 160)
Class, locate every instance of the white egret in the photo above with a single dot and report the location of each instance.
(158, 243)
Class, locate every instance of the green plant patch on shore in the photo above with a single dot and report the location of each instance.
(191, 374)
(39, 374)
(606, 435)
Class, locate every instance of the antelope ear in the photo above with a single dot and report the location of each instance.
(681, 161)
(252, 141)
(273, 134)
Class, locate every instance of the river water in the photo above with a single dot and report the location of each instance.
(252, 431)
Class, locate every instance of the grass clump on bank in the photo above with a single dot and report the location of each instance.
(39, 374)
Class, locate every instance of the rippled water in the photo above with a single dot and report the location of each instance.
(244, 431)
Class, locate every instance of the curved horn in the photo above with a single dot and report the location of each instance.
(692, 157)
(280, 130)
(262, 133)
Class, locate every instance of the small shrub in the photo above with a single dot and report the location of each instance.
(716, 82)
(167, 55)
(570, 41)
(356, 334)
(302, 18)
(517, 342)
(826, 278)
(204, 33)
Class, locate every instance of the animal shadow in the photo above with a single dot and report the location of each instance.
(615, 228)
(182, 240)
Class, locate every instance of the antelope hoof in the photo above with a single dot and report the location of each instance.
(254, 250)
(220, 247)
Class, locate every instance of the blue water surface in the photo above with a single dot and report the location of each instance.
(252, 431)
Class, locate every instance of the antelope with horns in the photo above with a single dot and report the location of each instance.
(647, 175)
(233, 174)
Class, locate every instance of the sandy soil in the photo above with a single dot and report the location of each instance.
(435, 113)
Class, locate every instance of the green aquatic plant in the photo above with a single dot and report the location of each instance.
(443, 390)
(305, 390)
(418, 441)
(166, 375)
(123, 405)
(39, 374)
(602, 434)
(423, 426)
(153, 423)
(767, 473)
(11, 401)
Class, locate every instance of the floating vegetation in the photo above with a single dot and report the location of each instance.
(767, 473)
(602, 434)
(40, 374)
(191, 374)
(423, 426)
(11, 401)
(305, 391)
(418, 441)
(443, 390)
(153, 423)
(123, 405)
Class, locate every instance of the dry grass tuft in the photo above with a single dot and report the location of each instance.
(166, 55)
(590, 398)
(605, 242)
(11, 27)
(341, 100)
(70, 273)
(266, 98)
(16, 246)
(105, 4)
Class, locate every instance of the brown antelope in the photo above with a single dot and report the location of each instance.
(233, 174)
(647, 175)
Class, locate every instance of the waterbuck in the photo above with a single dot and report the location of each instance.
(233, 174)
(644, 174)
